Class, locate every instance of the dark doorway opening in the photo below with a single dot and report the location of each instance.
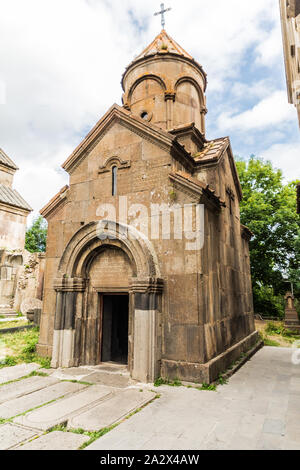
(115, 329)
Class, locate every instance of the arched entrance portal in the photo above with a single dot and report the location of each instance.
(108, 301)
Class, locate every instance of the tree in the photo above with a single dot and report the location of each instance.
(36, 236)
(268, 208)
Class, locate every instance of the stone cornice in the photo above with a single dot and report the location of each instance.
(55, 203)
(146, 286)
(148, 131)
(204, 194)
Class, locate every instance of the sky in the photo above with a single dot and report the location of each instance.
(61, 63)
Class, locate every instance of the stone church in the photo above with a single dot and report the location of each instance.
(162, 305)
(21, 272)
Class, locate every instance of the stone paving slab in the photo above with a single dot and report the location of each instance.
(24, 387)
(20, 405)
(56, 440)
(111, 411)
(111, 380)
(16, 372)
(242, 415)
(61, 411)
(11, 435)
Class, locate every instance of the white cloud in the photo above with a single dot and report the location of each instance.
(269, 112)
(290, 154)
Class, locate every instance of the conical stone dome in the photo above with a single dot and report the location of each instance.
(166, 86)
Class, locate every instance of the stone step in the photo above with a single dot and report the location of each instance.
(56, 440)
(60, 412)
(111, 411)
(28, 402)
(16, 372)
(24, 387)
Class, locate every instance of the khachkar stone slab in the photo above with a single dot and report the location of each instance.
(111, 411)
(60, 412)
(12, 435)
(20, 405)
(24, 387)
(291, 315)
(16, 372)
(56, 440)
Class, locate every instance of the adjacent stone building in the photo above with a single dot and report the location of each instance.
(122, 282)
(21, 273)
(290, 22)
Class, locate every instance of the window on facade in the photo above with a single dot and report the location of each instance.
(114, 180)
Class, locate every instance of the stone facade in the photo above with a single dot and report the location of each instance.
(190, 312)
(21, 273)
(290, 22)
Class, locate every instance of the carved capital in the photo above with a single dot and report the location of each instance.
(146, 286)
(66, 284)
(170, 96)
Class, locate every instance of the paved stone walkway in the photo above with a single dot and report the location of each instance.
(258, 409)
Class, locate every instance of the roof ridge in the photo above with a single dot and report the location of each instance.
(5, 160)
(12, 197)
(163, 42)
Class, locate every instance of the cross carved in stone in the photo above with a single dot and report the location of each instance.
(231, 196)
(162, 13)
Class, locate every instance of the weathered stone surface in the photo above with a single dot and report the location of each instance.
(111, 380)
(22, 404)
(61, 411)
(24, 387)
(16, 372)
(11, 435)
(240, 416)
(56, 440)
(111, 411)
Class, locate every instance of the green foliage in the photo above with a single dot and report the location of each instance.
(207, 387)
(160, 381)
(36, 236)
(268, 209)
(22, 345)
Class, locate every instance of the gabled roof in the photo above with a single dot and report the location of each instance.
(6, 161)
(152, 132)
(212, 153)
(163, 43)
(11, 197)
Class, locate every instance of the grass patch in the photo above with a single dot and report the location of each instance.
(22, 348)
(207, 387)
(271, 342)
(160, 381)
(13, 324)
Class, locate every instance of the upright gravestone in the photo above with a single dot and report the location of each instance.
(291, 316)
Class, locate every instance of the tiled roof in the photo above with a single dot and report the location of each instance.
(6, 161)
(163, 43)
(12, 198)
(211, 150)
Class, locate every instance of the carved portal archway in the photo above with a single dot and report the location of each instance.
(77, 323)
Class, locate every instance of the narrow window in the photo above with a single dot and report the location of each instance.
(114, 180)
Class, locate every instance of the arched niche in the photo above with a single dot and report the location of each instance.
(189, 103)
(147, 99)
